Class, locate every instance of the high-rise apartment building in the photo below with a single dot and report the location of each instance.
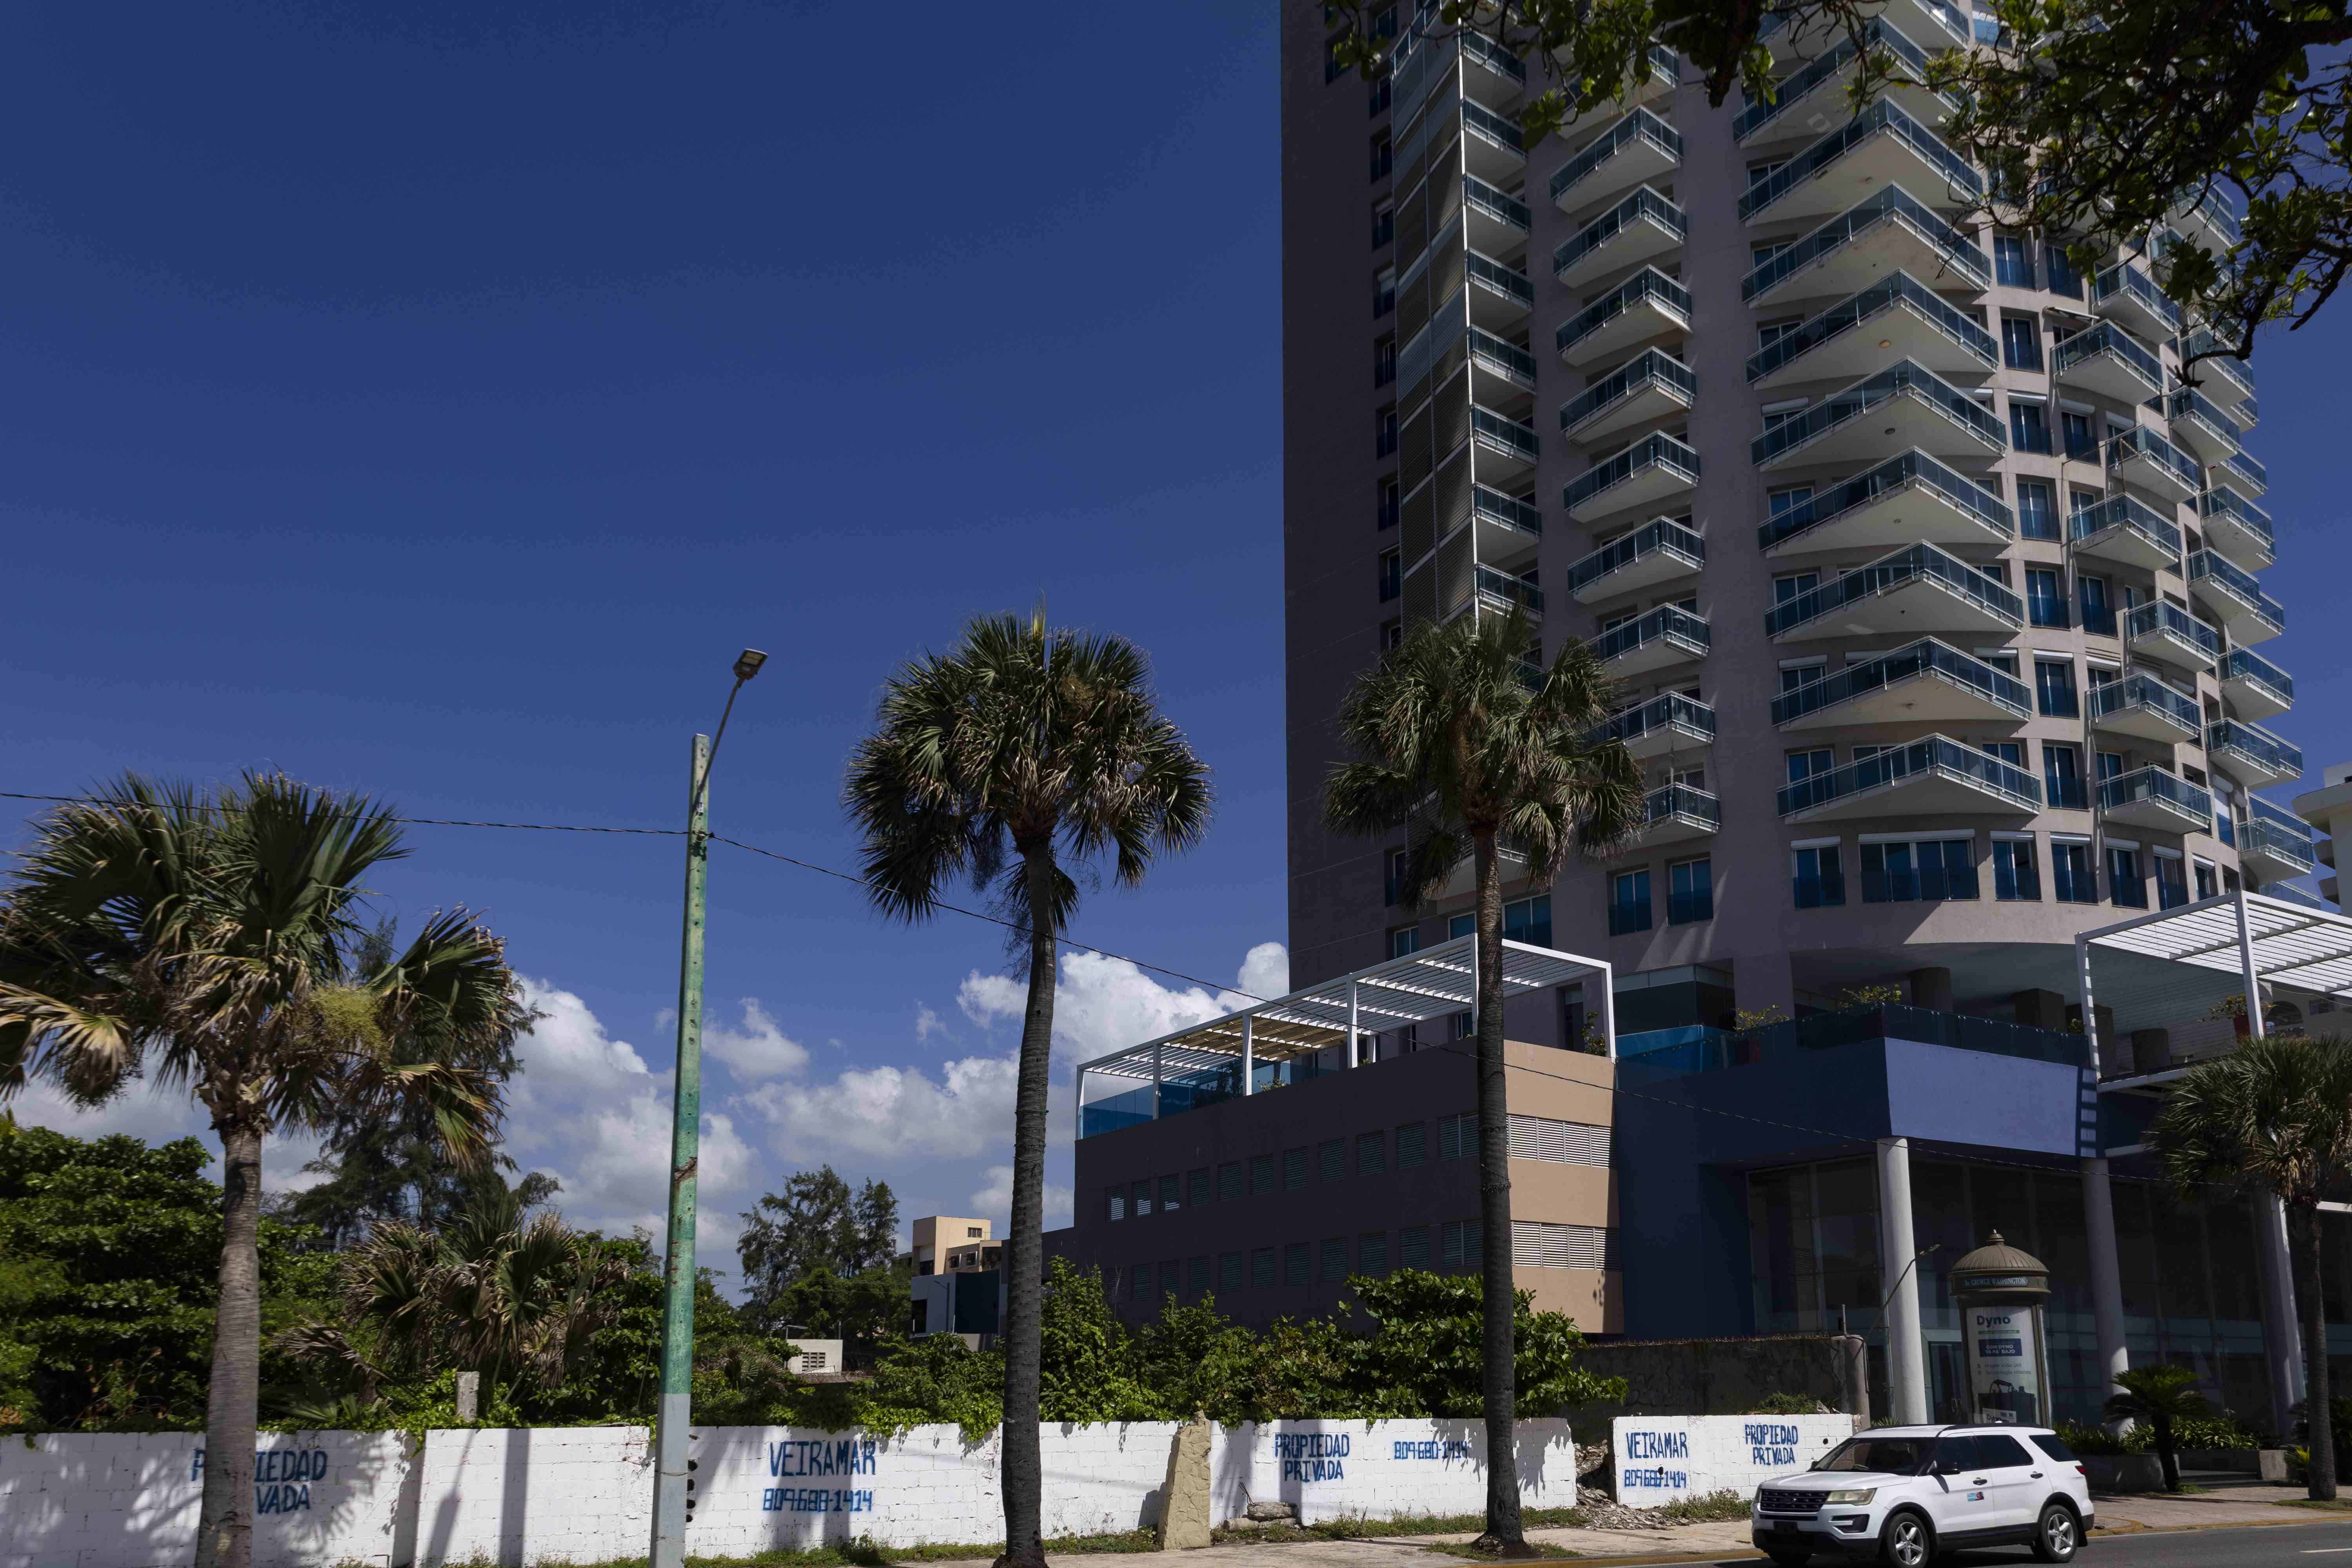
(1932, 588)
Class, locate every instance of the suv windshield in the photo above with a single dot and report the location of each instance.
(1889, 1456)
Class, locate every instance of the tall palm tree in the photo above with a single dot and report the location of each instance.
(2273, 1118)
(2160, 1395)
(1463, 741)
(1018, 755)
(204, 945)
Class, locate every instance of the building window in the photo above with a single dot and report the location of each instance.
(2071, 881)
(2053, 687)
(2045, 598)
(1804, 765)
(1331, 1158)
(1118, 1196)
(1404, 939)
(1690, 892)
(1371, 1154)
(1383, 362)
(2111, 765)
(1392, 638)
(1770, 332)
(2012, 261)
(2124, 885)
(2206, 886)
(1383, 225)
(1458, 1244)
(1384, 431)
(1142, 1205)
(1389, 503)
(2062, 769)
(2009, 751)
(1298, 1265)
(1379, 96)
(2171, 882)
(1820, 879)
(1528, 920)
(2098, 612)
(1229, 1273)
(1457, 1136)
(1335, 1260)
(2029, 424)
(1629, 902)
(1262, 1175)
(2020, 345)
(1413, 1246)
(2080, 443)
(1928, 871)
(1198, 1189)
(1384, 155)
(2014, 880)
(1201, 1270)
(1230, 1181)
(1294, 1168)
(1172, 1194)
(1411, 1145)
(1372, 1254)
(1392, 876)
(1793, 676)
(1261, 1269)
(2037, 510)
(2063, 279)
(1391, 575)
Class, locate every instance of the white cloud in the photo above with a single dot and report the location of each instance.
(892, 1112)
(927, 1024)
(994, 1201)
(1266, 971)
(759, 1050)
(1104, 1003)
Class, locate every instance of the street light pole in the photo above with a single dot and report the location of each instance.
(673, 1485)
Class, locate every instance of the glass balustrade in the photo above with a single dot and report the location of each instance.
(1670, 621)
(1641, 125)
(1879, 37)
(1925, 658)
(2239, 585)
(1865, 488)
(1663, 534)
(2141, 689)
(2241, 664)
(1643, 203)
(1657, 449)
(2160, 618)
(2267, 751)
(2110, 339)
(1937, 756)
(1495, 583)
(1918, 561)
(1496, 202)
(1903, 380)
(1881, 118)
(1503, 431)
(1649, 285)
(2144, 443)
(1893, 204)
(1519, 365)
(1652, 366)
(2124, 282)
(1495, 507)
(2129, 514)
(2153, 784)
(1668, 711)
(1900, 291)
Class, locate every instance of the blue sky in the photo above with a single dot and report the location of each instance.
(432, 404)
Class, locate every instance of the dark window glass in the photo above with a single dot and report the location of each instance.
(2045, 598)
(1261, 1173)
(2124, 884)
(1371, 1154)
(1372, 1253)
(1413, 1246)
(1391, 575)
(2020, 346)
(1383, 154)
(1142, 1205)
(2080, 442)
(1118, 1204)
(2061, 774)
(1384, 361)
(1294, 1168)
(1332, 1159)
(1819, 884)
(1388, 503)
(1995, 1452)
(1690, 892)
(1383, 225)
(2013, 874)
(1379, 96)
(2070, 874)
(2171, 882)
(1384, 433)
(2063, 279)
(2012, 263)
(1261, 1269)
(2037, 510)
(1201, 1277)
(1229, 1272)
(1229, 1182)
(2098, 613)
(2055, 1447)
(2053, 687)
(2029, 426)
(1930, 872)
(1199, 1189)
(1629, 905)
(1335, 1259)
(1411, 1145)
(1297, 1264)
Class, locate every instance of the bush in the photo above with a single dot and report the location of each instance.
(1790, 1404)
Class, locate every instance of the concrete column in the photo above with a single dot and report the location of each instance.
(1932, 988)
(2282, 1329)
(1249, 1057)
(1906, 1359)
(1352, 1022)
(2152, 1050)
(2106, 1275)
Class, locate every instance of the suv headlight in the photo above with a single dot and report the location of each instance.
(1854, 1495)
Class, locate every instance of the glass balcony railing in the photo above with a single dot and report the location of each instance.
(1671, 623)
(1904, 380)
(1884, 116)
(2123, 280)
(2238, 664)
(2224, 502)
(1900, 291)
(2239, 585)
(2186, 404)
(1497, 128)
(1669, 711)
(2199, 341)
(1866, 488)
(1500, 430)
(1929, 657)
(1507, 280)
(1918, 561)
(2242, 464)
(1650, 367)
(2272, 832)
(1657, 449)
(1952, 20)
(2141, 689)
(1644, 203)
(1663, 534)
(1681, 800)
(2250, 741)
(1514, 361)
(1893, 204)
(2107, 337)
(1494, 202)
(2159, 617)
(1641, 125)
(1937, 756)
(2153, 784)
(1647, 285)
(1494, 506)
(1878, 37)
(2142, 442)
(2128, 514)
(2211, 208)
(1494, 584)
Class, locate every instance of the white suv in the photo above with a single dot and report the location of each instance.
(1906, 1493)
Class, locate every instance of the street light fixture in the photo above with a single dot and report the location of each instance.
(673, 1487)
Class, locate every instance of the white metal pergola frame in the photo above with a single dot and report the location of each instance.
(1418, 988)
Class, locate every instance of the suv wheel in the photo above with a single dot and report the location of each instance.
(1907, 1542)
(2057, 1534)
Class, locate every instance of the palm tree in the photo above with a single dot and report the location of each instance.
(204, 945)
(1017, 756)
(2160, 1395)
(1470, 746)
(2274, 1119)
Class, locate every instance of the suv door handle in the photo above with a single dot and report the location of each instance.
(1977, 1482)
(2036, 1473)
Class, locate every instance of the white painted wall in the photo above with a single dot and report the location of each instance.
(1380, 1469)
(1663, 1458)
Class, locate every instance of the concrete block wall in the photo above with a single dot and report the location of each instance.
(1380, 1469)
(581, 1494)
(1664, 1459)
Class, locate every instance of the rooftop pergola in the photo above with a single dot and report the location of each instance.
(1419, 988)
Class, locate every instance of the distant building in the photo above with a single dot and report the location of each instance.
(2329, 809)
(959, 1283)
(951, 1243)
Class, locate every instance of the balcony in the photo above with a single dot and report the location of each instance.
(1500, 296)
(2236, 527)
(1499, 592)
(1493, 220)
(1892, 232)
(1634, 150)
(1493, 146)
(1509, 529)
(1659, 551)
(2110, 362)
(2251, 476)
(1653, 386)
(2274, 846)
(1929, 682)
(2251, 754)
(1881, 147)
(2141, 705)
(1908, 500)
(1900, 318)
(1642, 227)
(1813, 99)
(2124, 294)
(1497, 359)
(1463, 879)
(2198, 426)
(2222, 378)
(2141, 456)
(2166, 631)
(1901, 406)
(2255, 687)
(1935, 777)
(1668, 636)
(1653, 470)
(1676, 814)
(1936, 24)
(2231, 595)
(2209, 221)
(1666, 724)
(1510, 446)
(1647, 305)
(1916, 592)
(2152, 798)
(2123, 529)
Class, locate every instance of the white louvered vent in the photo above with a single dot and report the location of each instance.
(1537, 1244)
(1564, 1142)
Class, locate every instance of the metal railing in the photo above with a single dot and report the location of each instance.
(1877, 38)
(1892, 205)
(1498, 127)
(1640, 125)
(1511, 512)
(2238, 664)
(1649, 365)
(2141, 689)
(1919, 561)
(1502, 431)
(2267, 829)
(1910, 468)
(1883, 117)
(1906, 379)
(2124, 279)
(1684, 801)
(1647, 284)
(1900, 291)
(1670, 621)
(2152, 783)
(2157, 615)
(2213, 566)
(1519, 363)
(2214, 210)
(1495, 202)
(2252, 741)
(1510, 280)
(1663, 534)
(2107, 337)
(1937, 756)
(1926, 658)
(2242, 464)
(1667, 711)
(2201, 340)
(1643, 203)
(1498, 584)
(2186, 404)
(2141, 441)
(1656, 449)
(2130, 514)
(2223, 501)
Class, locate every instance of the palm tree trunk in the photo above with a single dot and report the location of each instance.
(2302, 1241)
(1499, 1301)
(225, 1536)
(1024, 1545)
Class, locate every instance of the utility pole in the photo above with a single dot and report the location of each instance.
(673, 1485)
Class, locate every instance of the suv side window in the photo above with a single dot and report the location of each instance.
(1954, 1455)
(2051, 1443)
(1995, 1452)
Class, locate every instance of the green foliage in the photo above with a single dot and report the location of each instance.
(2160, 1395)
(1858, 996)
(857, 1309)
(1786, 1405)
(817, 1227)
